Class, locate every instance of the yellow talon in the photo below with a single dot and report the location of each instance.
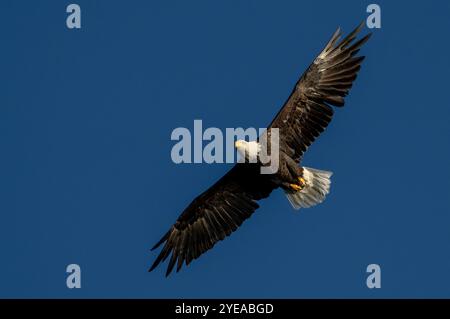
(302, 182)
(295, 187)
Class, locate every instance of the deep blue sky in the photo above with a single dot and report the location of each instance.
(85, 169)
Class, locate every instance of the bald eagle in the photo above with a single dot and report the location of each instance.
(222, 208)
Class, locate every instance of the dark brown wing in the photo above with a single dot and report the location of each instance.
(214, 215)
(326, 82)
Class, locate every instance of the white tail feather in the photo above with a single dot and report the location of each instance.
(317, 187)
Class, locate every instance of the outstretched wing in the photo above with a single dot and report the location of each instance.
(325, 83)
(214, 215)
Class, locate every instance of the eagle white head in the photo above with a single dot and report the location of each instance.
(248, 150)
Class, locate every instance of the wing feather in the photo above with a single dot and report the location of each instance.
(326, 82)
(213, 215)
